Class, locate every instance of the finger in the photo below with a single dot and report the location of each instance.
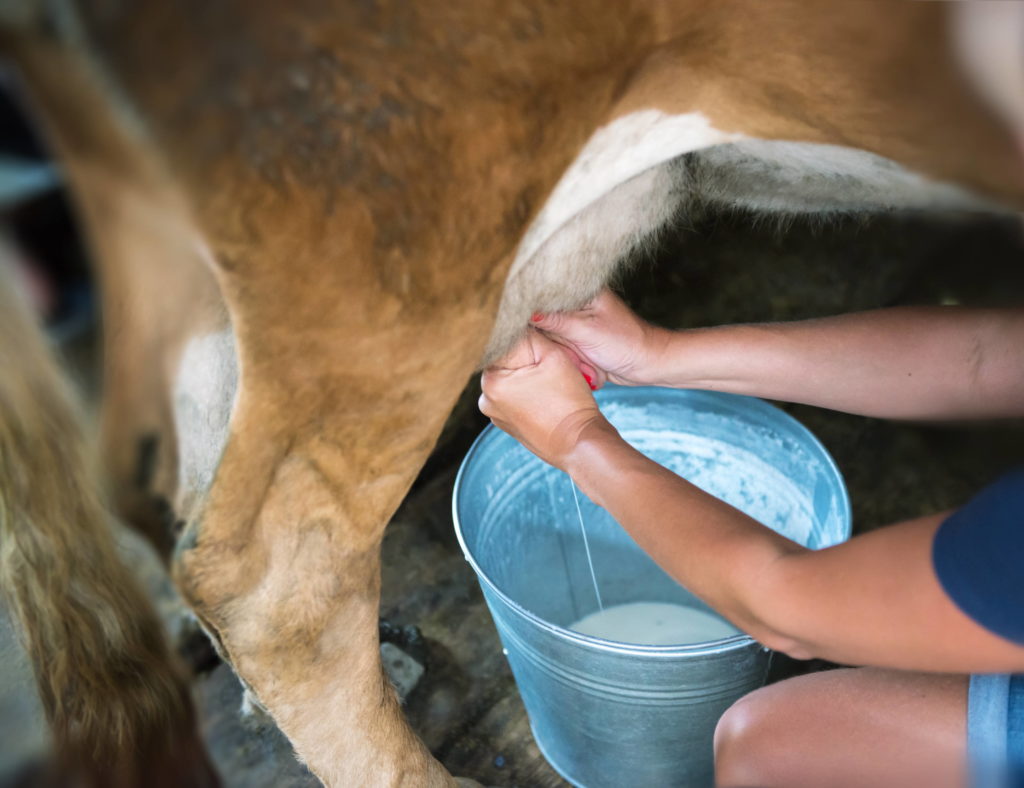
(561, 322)
(591, 374)
(546, 347)
(586, 369)
(488, 380)
(605, 299)
(521, 355)
(566, 348)
(594, 375)
(484, 404)
(574, 363)
(554, 322)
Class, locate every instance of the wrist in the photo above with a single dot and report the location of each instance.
(671, 357)
(648, 369)
(716, 357)
(596, 457)
(595, 429)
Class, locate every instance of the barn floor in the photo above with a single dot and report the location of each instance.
(721, 269)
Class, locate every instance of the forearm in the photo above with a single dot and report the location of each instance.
(714, 550)
(913, 363)
(874, 600)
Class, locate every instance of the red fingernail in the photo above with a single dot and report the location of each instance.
(590, 380)
(592, 386)
(536, 317)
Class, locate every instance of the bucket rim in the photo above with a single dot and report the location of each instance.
(732, 643)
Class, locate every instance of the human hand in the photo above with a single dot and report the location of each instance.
(612, 343)
(537, 394)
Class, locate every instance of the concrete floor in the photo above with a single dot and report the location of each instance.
(723, 268)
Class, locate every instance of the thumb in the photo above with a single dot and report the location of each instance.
(530, 351)
(570, 327)
(567, 323)
(545, 347)
(522, 354)
(549, 321)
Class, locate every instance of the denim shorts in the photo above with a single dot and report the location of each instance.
(995, 730)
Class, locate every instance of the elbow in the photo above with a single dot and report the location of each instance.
(775, 635)
(764, 617)
(790, 645)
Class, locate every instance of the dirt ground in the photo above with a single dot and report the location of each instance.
(722, 268)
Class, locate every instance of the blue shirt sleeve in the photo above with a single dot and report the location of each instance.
(978, 556)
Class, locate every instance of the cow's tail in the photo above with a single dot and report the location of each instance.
(117, 701)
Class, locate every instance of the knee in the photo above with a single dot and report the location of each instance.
(746, 743)
(203, 575)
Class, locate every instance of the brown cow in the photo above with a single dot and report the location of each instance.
(315, 219)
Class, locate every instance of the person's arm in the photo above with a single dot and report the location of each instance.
(874, 600)
(907, 362)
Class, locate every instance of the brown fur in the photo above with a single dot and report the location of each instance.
(116, 698)
(362, 174)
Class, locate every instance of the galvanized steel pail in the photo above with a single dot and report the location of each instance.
(617, 714)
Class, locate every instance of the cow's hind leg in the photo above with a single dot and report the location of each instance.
(343, 390)
(346, 378)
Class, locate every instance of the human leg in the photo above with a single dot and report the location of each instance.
(852, 727)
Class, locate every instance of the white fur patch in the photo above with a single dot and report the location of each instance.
(634, 175)
(775, 176)
(612, 196)
(204, 396)
(615, 154)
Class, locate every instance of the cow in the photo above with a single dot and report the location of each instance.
(314, 220)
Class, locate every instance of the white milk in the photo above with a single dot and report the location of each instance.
(654, 624)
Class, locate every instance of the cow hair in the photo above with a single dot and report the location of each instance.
(112, 690)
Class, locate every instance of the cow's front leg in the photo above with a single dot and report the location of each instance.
(329, 429)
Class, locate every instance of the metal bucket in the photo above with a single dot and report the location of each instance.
(615, 714)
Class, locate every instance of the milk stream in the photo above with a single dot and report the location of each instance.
(645, 623)
(586, 543)
(654, 624)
